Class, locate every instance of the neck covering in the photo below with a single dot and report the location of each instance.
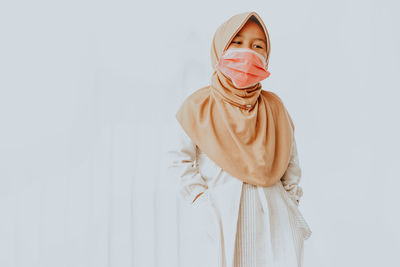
(247, 132)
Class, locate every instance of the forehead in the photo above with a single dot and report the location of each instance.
(251, 29)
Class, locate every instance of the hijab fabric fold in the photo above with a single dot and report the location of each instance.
(247, 132)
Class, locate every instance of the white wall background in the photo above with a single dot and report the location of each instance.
(89, 89)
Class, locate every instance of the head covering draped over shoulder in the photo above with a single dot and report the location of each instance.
(247, 132)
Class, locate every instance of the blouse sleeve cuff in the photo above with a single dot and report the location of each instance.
(189, 196)
(295, 193)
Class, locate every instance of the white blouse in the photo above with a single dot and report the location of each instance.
(186, 157)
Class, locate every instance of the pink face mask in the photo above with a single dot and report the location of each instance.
(243, 66)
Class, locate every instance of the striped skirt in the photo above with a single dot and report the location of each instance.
(249, 238)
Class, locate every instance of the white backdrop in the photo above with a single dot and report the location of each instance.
(89, 91)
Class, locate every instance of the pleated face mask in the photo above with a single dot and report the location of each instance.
(243, 66)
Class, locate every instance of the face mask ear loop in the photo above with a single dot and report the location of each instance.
(216, 64)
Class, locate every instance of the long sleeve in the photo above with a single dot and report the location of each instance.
(292, 176)
(184, 157)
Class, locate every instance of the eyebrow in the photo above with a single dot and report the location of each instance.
(239, 35)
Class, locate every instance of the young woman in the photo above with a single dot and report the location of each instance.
(238, 157)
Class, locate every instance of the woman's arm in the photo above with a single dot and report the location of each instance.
(191, 183)
(292, 176)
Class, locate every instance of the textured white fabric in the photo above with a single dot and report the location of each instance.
(249, 225)
(250, 232)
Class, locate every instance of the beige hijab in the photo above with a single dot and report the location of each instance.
(247, 132)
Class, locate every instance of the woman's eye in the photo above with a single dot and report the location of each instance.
(259, 46)
(236, 42)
